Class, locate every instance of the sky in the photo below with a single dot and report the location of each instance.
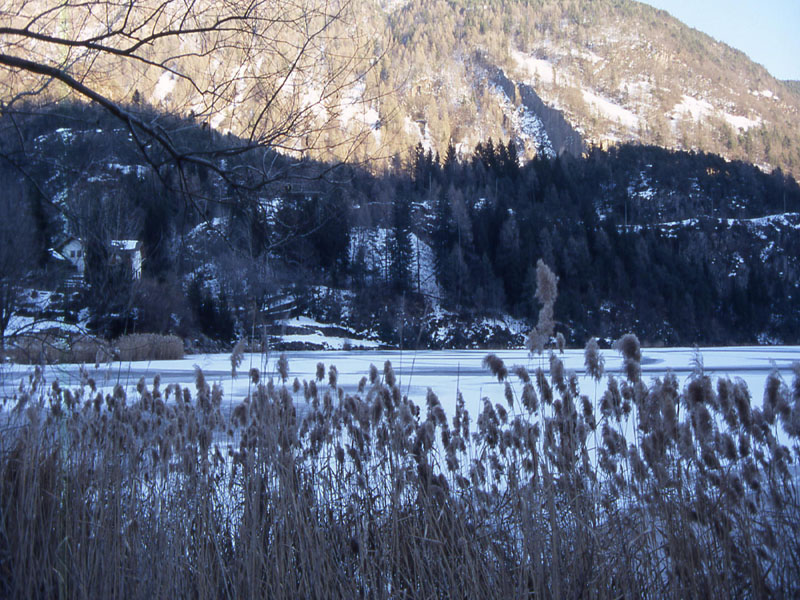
(768, 31)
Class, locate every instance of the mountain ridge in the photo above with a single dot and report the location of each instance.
(616, 70)
(609, 102)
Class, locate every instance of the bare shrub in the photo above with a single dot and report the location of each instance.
(546, 293)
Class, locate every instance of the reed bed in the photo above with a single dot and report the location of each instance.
(147, 346)
(55, 347)
(303, 491)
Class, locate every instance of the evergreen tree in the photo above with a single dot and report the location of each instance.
(401, 248)
(450, 159)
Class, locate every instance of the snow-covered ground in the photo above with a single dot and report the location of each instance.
(528, 127)
(756, 225)
(534, 68)
(446, 372)
(700, 110)
(309, 331)
(610, 110)
(370, 245)
(24, 325)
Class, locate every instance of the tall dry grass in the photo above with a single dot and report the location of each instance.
(54, 348)
(147, 346)
(304, 491)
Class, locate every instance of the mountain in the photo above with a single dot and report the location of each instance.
(552, 75)
(618, 71)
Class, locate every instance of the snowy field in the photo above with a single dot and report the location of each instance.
(446, 372)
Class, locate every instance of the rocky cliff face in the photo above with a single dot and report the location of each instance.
(555, 134)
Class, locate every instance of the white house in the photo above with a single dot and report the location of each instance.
(74, 252)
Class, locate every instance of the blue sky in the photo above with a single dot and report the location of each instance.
(768, 31)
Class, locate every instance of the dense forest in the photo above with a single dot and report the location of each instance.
(681, 247)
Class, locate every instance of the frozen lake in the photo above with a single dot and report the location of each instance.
(445, 372)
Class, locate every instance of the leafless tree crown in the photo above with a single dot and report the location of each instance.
(286, 75)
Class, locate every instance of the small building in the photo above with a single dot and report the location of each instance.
(73, 251)
(128, 251)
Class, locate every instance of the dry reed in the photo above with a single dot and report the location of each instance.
(161, 494)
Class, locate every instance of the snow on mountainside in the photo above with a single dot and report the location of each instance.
(477, 224)
(369, 248)
(617, 71)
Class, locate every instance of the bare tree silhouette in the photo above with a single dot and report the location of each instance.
(282, 75)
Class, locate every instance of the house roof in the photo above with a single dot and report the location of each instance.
(126, 245)
(60, 246)
(56, 254)
(122, 245)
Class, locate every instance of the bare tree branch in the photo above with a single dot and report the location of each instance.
(283, 75)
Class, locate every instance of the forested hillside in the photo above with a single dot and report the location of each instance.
(681, 247)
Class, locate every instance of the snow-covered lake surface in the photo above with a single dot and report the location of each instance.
(446, 372)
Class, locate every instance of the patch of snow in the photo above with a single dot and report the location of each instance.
(57, 255)
(217, 119)
(534, 68)
(40, 299)
(164, 86)
(692, 107)
(315, 336)
(611, 111)
(740, 122)
(767, 251)
(391, 6)
(65, 133)
(587, 55)
(356, 109)
(765, 93)
(125, 245)
(21, 325)
(784, 219)
(140, 170)
(311, 97)
(98, 178)
(738, 263)
(422, 133)
(756, 225)
(302, 321)
(642, 188)
(423, 268)
(217, 224)
(701, 109)
(637, 89)
(370, 245)
(329, 342)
